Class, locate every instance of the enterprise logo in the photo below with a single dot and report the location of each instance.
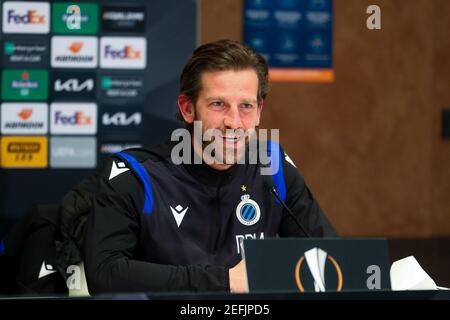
(25, 52)
(114, 87)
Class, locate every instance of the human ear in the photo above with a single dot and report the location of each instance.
(186, 108)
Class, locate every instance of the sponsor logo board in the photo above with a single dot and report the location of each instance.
(73, 85)
(25, 52)
(74, 52)
(123, 52)
(73, 118)
(113, 88)
(123, 19)
(75, 18)
(26, 17)
(26, 85)
(24, 118)
(24, 152)
(71, 152)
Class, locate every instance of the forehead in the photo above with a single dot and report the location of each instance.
(230, 81)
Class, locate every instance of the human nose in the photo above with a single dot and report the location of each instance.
(232, 119)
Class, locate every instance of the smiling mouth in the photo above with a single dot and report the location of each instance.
(231, 139)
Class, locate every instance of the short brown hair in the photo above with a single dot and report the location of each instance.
(219, 56)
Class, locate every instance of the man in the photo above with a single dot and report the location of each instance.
(160, 226)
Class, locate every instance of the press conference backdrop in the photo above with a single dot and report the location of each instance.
(82, 80)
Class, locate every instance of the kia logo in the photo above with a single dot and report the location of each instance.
(121, 119)
(73, 85)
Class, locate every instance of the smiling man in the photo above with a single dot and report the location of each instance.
(227, 107)
(158, 224)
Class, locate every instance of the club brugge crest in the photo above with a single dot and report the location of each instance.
(247, 211)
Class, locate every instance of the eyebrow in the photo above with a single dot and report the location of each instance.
(214, 98)
(250, 100)
(209, 99)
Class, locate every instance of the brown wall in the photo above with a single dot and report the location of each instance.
(440, 221)
(369, 143)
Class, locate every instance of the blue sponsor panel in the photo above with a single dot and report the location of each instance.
(291, 34)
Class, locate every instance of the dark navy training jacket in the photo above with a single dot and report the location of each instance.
(157, 226)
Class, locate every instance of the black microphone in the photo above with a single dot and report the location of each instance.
(274, 191)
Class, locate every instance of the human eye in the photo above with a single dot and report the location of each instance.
(217, 104)
(247, 106)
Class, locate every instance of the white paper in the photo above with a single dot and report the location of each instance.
(407, 274)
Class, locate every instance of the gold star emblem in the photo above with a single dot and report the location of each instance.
(244, 188)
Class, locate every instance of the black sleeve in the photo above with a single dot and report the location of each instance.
(303, 204)
(112, 234)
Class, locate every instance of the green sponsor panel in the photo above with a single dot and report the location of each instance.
(24, 85)
(74, 18)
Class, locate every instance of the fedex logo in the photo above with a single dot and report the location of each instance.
(73, 118)
(123, 52)
(78, 118)
(26, 17)
(31, 17)
(126, 53)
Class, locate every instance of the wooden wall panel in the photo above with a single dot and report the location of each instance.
(369, 143)
(441, 94)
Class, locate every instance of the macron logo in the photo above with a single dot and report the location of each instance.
(178, 214)
(46, 269)
(117, 168)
